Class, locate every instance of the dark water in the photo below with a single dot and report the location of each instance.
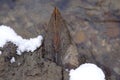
(9, 3)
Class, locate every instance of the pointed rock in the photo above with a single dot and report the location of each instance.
(57, 38)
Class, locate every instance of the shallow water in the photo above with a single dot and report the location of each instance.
(94, 25)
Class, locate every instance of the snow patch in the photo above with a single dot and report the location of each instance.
(12, 60)
(67, 70)
(87, 71)
(7, 34)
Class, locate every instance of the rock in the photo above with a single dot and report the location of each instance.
(80, 37)
(28, 66)
(57, 38)
(70, 59)
(43, 73)
(65, 75)
(7, 52)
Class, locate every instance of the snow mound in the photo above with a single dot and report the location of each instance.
(7, 34)
(87, 71)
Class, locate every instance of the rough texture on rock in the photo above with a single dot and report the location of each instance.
(71, 58)
(57, 38)
(29, 66)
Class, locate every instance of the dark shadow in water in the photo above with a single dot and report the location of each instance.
(9, 3)
(90, 2)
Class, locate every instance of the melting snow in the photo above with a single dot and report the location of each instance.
(7, 34)
(12, 60)
(87, 71)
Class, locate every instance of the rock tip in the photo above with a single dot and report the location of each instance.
(56, 10)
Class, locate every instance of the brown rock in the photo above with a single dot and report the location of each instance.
(80, 37)
(57, 38)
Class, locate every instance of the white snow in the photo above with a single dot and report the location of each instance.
(7, 34)
(67, 70)
(12, 60)
(0, 52)
(87, 71)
